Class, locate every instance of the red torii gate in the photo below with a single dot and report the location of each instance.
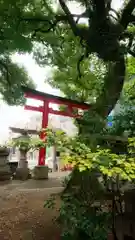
(45, 110)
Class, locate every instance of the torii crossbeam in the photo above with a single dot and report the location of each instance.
(71, 110)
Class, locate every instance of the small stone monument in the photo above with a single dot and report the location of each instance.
(5, 173)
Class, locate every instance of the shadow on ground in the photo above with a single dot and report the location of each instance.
(22, 212)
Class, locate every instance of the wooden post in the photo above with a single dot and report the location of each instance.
(54, 160)
(42, 152)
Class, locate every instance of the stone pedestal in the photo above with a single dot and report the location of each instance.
(22, 171)
(5, 173)
(22, 174)
(40, 172)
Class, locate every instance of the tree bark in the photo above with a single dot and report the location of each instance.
(113, 85)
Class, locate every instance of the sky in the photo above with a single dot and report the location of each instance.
(12, 115)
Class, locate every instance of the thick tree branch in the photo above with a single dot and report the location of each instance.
(130, 42)
(44, 19)
(132, 19)
(126, 14)
(86, 2)
(100, 9)
(79, 64)
(131, 52)
(58, 18)
(80, 60)
(130, 37)
(116, 13)
(51, 27)
(108, 5)
(83, 15)
(52, 23)
(126, 34)
(5, 70)
(70, 18)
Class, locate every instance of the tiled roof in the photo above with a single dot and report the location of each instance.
(55, 122)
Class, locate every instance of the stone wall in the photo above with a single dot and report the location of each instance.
(5, 173)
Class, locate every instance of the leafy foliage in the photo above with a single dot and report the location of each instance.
(26, 142)
(124, 122)
(101, 160)
(94, 36)
(84, 212)
(22, 142)
(92, 224)
(75, 151)
(50, 27)
(101, 37)
(14, 37)
(85, 88)
(110, 40)
(10, 87)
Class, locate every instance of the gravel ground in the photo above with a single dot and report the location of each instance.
(22, 215)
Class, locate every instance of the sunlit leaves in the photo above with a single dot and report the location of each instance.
(102, 160)
(79, 209)
(105, 162)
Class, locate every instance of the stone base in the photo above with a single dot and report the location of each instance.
(40, 172)
(22, 174)
(5, 177)
(5, 173)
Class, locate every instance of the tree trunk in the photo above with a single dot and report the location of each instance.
(112, 88)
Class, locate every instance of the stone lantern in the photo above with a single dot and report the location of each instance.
(22, 171)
